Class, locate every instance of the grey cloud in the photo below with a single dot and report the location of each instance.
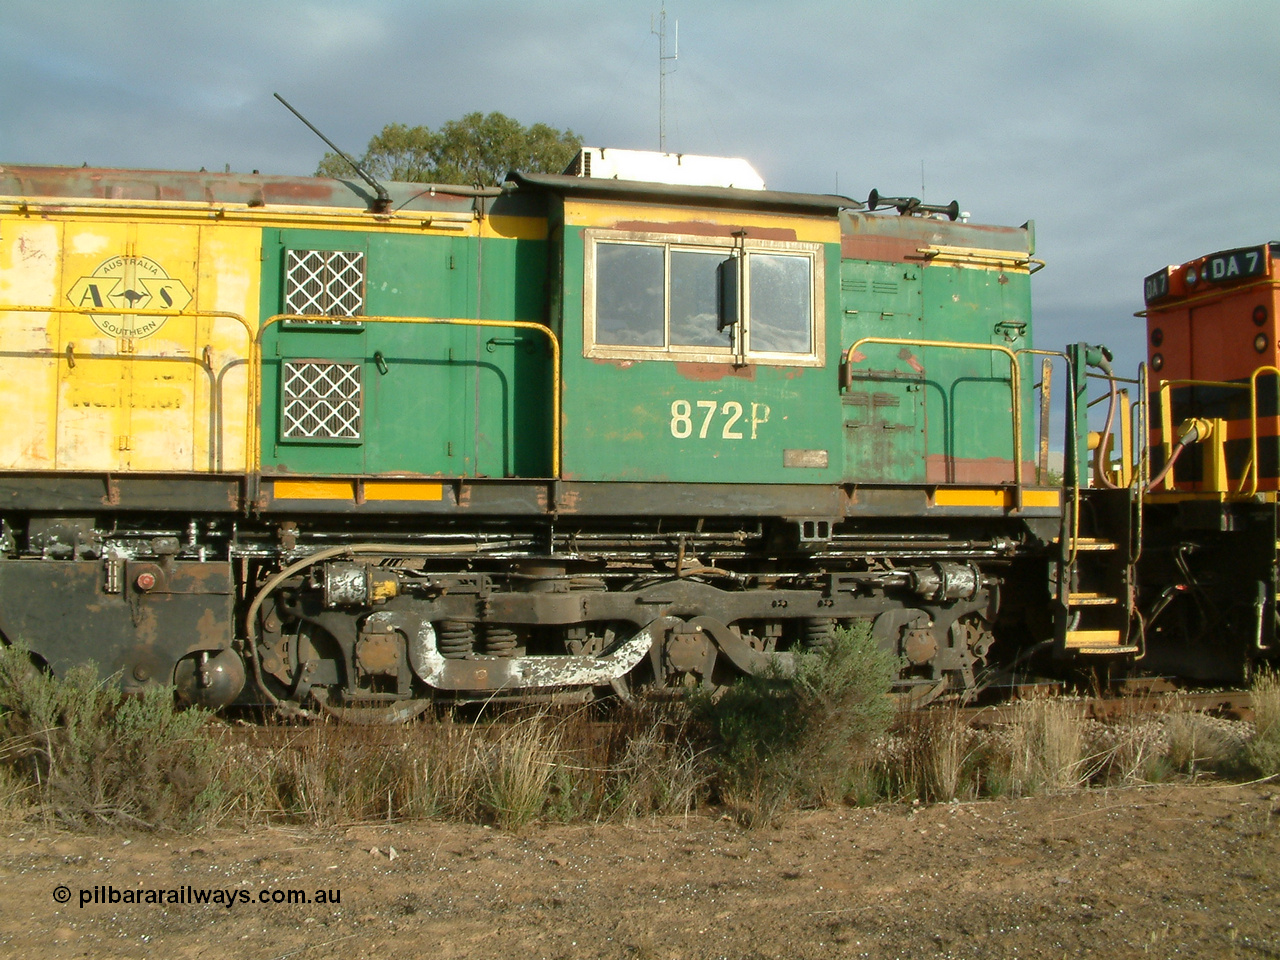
(1134, 133)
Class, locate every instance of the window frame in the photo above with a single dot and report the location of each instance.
(741, 352)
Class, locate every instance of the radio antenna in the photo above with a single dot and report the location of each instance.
(663, 58)
(384, 199)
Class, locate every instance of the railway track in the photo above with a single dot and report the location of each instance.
(1127, 699)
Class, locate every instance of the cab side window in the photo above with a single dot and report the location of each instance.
(654, 297)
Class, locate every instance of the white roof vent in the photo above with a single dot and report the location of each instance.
(649, 166)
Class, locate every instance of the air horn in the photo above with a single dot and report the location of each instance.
(908, 206)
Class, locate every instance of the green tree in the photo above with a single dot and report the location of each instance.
(478, 148)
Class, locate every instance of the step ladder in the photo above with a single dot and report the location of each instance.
(1094, 575)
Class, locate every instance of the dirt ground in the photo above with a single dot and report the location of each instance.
(1168, 871)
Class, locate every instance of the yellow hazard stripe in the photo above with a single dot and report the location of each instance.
(993, 497)
(347, 489)
(402, 490)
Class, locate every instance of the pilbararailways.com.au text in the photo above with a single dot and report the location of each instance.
(195, 896)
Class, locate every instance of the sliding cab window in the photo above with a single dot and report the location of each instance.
(705, 299)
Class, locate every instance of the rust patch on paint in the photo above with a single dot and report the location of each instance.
(940, 468)
(211, 631)
(707, 372)
(169, 186)
(906, 355)
(700, 228)
(892, 249)
(569, 501)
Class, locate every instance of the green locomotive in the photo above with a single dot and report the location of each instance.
(644, 424)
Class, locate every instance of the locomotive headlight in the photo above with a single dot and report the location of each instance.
(1191, 276)
(1260, 342)
(1157, 361)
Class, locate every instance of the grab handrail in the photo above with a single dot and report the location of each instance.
(1015, 385)
(215, 396)
(256, 398)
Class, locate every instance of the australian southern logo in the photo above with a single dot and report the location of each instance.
(129, 283)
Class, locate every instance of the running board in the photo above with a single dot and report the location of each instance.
(1098, 643)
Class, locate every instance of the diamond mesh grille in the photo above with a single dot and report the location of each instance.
(328, 283)
(321, 400)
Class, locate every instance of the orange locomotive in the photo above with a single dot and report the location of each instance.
(1208, 571)
(1211, 338)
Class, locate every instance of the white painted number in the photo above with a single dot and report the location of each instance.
(735, 408)
(710, 407)
(681, 425)
(682, 418)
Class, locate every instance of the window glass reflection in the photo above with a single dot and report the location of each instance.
(694, 300)
(630, 295)
(781, 312)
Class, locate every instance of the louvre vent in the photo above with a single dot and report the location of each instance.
(853, 286)
(321, 400)
(883, 286)
(325, 283)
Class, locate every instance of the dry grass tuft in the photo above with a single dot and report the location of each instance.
(1263, 750)
(516, 767)
(1048, 746)
(933, 756)
(73, 749)
(509, 769)
(948, 754)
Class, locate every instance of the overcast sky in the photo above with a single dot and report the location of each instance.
(1135, 134)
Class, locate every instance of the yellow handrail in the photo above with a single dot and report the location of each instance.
(939, 253)
(451, 321)
(1015, 385)
(253, 453)
(1253, 420)
(123, 357)
(129, 312)
(1166, 422)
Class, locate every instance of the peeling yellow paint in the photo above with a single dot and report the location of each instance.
(109, 392)
(514, 228)
(824, 229)
(89, 244)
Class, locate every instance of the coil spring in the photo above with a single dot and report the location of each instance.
(499, 641)
(456, 639)
(818, 632)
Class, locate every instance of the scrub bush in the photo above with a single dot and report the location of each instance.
(95, 757)
(780, 741)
